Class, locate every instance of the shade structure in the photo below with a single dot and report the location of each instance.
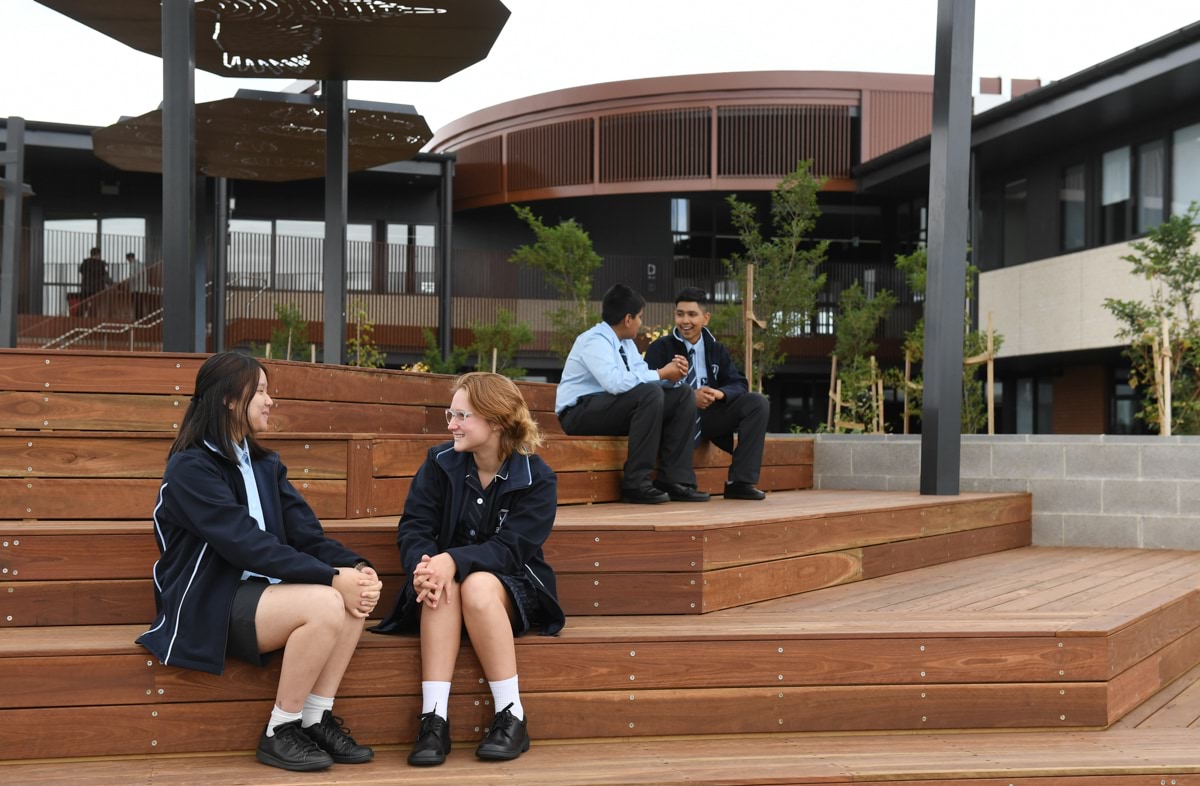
(267, 136)
(315, 39)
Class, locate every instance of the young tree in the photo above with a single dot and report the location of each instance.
(361, 349)
(857, 319)
(565, 254)
(505, 336)
(974, 404)
(433, 361)
(1167, 258)
(786, 281)
(289, 340)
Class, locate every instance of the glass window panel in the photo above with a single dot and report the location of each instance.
(1072, 197)
(1045, 406)
(1150, 185)
(1025, 413)
(1114, 193)
(426, 261)
(1185, 168)
(679, 215)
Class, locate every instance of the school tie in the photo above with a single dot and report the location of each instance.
(693, 381)
(624, 357)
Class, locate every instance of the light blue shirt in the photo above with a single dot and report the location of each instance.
(699, 361)
(252, 499)
(595, 366)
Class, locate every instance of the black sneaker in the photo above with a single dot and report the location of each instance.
(507, 739)
(646, 495)
(335, 739)
(291, 749)
(433, 741)
(677, 492)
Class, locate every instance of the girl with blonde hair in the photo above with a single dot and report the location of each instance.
(477, 514)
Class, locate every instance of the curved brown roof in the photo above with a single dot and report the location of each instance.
(731, 131)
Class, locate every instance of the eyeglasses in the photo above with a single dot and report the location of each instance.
(461, 414)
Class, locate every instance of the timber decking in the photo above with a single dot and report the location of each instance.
(610, 559)
(1034, 638)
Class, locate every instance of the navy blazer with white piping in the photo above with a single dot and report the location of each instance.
(722, 372)
(206, 538)
(518, 517)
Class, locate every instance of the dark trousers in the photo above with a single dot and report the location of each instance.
(658, 421)
(747, 416)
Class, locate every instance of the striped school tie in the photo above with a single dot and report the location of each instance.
(693, 381)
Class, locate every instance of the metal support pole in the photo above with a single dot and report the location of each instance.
(220, 257)
(183, 301)
(950, 145)
(13, 184)
(333, 276)
(444, 255)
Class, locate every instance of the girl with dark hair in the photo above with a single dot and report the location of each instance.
(477, 514)
(245, 569)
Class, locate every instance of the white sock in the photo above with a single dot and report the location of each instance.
(314, 709)
(434, 698)
(506, 692)
(278, 716)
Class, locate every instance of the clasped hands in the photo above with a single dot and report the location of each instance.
(360, 588)
(432, 576)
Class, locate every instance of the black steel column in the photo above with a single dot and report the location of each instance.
(333, 277)
(183, 302)
(220, 258)
(444, 254)
(950, 145)
(13, 161)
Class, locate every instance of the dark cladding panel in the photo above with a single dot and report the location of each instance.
(767, 141)
(666, 144)
(478, 169)
(558, 154)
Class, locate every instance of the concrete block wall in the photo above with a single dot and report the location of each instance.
(1113, 491)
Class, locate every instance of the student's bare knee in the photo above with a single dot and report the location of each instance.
(481, 593)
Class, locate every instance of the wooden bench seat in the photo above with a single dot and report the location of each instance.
(610, 559)
(1032, 638)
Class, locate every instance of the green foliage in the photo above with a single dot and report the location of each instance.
(1168, 260)
(432, 358)
(974, 402)
(506, 336)
(565, 254)
(289, 339)
(858, 317)
(786, 281)
(361, 349)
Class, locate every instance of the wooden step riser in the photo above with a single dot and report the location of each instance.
(236, 725)
(117, 602)
(391, 666)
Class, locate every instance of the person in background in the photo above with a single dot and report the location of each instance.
(245, 569)
(724, 404)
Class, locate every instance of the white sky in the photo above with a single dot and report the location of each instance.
(55, 69)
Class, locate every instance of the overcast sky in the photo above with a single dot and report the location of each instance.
(55, 69)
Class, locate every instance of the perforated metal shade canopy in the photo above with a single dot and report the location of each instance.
(268, 136)
(314, 39)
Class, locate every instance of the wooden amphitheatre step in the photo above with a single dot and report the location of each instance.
(115, 475)
(610, 559)
(1034, 638)
(1158, 758)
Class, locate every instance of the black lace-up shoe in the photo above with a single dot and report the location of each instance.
(335, 739)
(507, 739)
(677, 492)
(743, 491)
(433, 741)
(291, 749)
(646, 495)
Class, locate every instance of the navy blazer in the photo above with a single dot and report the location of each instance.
(518, 519)
(206, 538)
(722, 374)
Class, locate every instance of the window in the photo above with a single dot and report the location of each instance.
(1150, 185)
(1185, 168)
(1014, 223)
(1072, 199)
(1035, 405)
(1123, 405)
(1114, 196)
(825, 321)
(412, 258)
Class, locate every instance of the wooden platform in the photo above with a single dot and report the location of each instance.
(1033, 638)
(610, 559)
